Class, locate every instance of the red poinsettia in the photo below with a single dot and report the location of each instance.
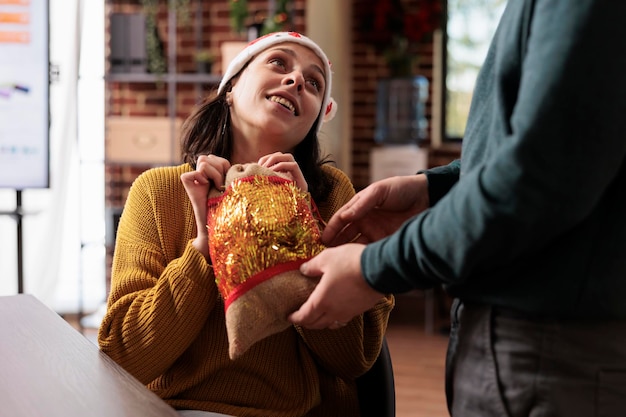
(397, 26)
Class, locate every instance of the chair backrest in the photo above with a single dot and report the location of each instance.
(376, 388)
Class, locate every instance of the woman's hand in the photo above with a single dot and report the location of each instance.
(285, 164)
(210, 172)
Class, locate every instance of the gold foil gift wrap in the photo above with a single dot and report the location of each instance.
(261, 229)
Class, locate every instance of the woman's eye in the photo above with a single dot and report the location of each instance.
(315, 83)
(277, 62)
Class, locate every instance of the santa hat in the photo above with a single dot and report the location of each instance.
(329, 106)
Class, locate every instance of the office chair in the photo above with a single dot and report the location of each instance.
(376, 388)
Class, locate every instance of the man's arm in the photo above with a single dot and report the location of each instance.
(441, 179)
(544, 175)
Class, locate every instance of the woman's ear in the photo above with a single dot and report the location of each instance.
(229, 98)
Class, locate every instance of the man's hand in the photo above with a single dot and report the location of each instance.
(378, 210)
(341, 293)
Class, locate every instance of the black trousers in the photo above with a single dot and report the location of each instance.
(505, 365)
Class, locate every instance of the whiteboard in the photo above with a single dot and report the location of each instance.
(24, 94)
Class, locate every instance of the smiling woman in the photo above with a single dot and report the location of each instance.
(269, 107)
(288, 81)
(261, 44)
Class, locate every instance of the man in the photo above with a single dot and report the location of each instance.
(527, 231)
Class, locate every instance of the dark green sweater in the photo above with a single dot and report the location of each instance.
(534, 215)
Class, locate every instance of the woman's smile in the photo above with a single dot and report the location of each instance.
(285, 103)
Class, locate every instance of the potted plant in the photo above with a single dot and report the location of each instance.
(157, 63)
(278, 17)
(397, 28)
(204, 60)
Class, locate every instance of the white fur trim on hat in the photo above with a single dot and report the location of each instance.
(329, 106)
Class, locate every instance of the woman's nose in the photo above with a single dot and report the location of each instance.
(296, 78)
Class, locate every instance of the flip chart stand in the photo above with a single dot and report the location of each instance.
(18, 215)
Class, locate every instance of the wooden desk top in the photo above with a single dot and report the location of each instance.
(48, 369)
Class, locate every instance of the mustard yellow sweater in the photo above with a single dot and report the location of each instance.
(165, 320)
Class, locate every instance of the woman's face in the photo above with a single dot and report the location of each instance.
(276, 100)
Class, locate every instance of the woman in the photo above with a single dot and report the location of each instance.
(165, 320)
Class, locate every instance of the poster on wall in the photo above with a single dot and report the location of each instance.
(24, 94)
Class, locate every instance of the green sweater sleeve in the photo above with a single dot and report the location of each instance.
(542, 163)
(441, 180)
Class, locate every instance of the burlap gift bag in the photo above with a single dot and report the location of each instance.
(261, 229)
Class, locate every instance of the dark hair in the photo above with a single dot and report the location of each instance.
(207, 131)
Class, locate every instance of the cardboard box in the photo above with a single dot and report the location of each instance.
(143, 140)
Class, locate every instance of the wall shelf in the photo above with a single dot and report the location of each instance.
(152, 138)
(167, 78)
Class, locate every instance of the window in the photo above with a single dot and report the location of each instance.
(470, 25)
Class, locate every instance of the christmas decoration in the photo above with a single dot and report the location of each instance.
(261, 229)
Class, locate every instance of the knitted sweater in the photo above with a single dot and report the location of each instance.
(165, 322)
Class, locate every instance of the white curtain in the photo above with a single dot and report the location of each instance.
(63, 229)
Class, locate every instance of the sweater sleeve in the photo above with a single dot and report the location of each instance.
(441, 180)
(551, 130)
(162, 289)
